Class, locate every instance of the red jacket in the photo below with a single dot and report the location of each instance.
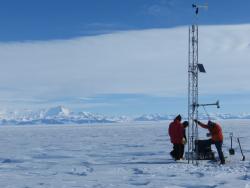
(215, 131)
(176, 131)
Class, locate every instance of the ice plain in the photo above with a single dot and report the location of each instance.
(120, 155)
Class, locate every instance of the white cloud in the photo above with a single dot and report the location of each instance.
(149, 61)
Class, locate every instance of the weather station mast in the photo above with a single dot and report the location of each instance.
(194, 68)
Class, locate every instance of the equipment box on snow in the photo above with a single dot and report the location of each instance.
(202, 151)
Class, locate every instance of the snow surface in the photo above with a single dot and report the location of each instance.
(113, 155)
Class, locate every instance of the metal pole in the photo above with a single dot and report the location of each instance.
(197, 91)
(189, 72)
(192, 90)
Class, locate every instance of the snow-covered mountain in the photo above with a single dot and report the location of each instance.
(160, 117)
(154, 117)
(55, 115)
(58, 111)
(62, 115)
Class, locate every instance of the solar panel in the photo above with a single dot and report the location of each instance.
(201, 68)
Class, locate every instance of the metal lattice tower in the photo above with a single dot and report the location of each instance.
(192, 90)
(193, 72)
(194, 68)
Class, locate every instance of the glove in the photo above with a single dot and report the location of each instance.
(196, 121)
(184, 141)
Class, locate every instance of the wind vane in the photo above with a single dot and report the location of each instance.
(197, 7)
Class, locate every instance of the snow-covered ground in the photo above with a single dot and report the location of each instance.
(113, 155)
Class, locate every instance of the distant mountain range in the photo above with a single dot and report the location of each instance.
(62, 115)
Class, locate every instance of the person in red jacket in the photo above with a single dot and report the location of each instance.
(215, 132)
(176, 133)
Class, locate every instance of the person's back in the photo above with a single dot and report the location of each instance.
(176, 131)
(216, 133)
(214, 129)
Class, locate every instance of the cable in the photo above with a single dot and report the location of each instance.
(206, 113)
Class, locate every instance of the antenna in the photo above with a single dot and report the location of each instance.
(217, 104)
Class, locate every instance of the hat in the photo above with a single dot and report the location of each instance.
(210, 123)
(185, 124)
(178, 117)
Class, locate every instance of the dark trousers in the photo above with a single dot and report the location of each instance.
(182, 150)
(177, 152)
(218, 145)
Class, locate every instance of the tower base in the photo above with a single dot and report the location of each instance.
(202, 151)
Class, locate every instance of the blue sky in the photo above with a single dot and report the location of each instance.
(62, 52)
(62, 19)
